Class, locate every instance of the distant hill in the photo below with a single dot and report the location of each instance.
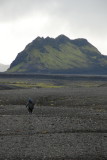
(3, 67)
(59, 55)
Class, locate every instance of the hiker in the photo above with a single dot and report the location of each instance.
(30, 106)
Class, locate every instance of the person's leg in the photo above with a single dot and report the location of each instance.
(29, 109)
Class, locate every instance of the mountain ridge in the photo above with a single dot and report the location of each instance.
(59, 55)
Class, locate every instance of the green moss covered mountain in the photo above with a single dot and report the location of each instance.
(59, 55)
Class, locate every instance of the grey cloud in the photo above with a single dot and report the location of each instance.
(90, 15)
(13, 9)
(87, 14)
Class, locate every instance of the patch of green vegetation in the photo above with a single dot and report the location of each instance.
(31, 85)
(91, 49)
(24, 85)
(66, 58)
(47, 85)
(18, 68)
(87, 84)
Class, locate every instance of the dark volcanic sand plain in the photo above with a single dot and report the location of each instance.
(69, 121)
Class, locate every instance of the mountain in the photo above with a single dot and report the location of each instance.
(59, 55)
(3, 67)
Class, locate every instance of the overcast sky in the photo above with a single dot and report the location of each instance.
(21, 21)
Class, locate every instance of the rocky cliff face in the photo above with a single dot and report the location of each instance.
(59, 55)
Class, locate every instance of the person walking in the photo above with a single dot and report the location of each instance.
(30, 106)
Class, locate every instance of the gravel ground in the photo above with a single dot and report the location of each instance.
(68, 123)
(72, 133)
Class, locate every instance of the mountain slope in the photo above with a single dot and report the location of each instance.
(59, 55)
(3, 67)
